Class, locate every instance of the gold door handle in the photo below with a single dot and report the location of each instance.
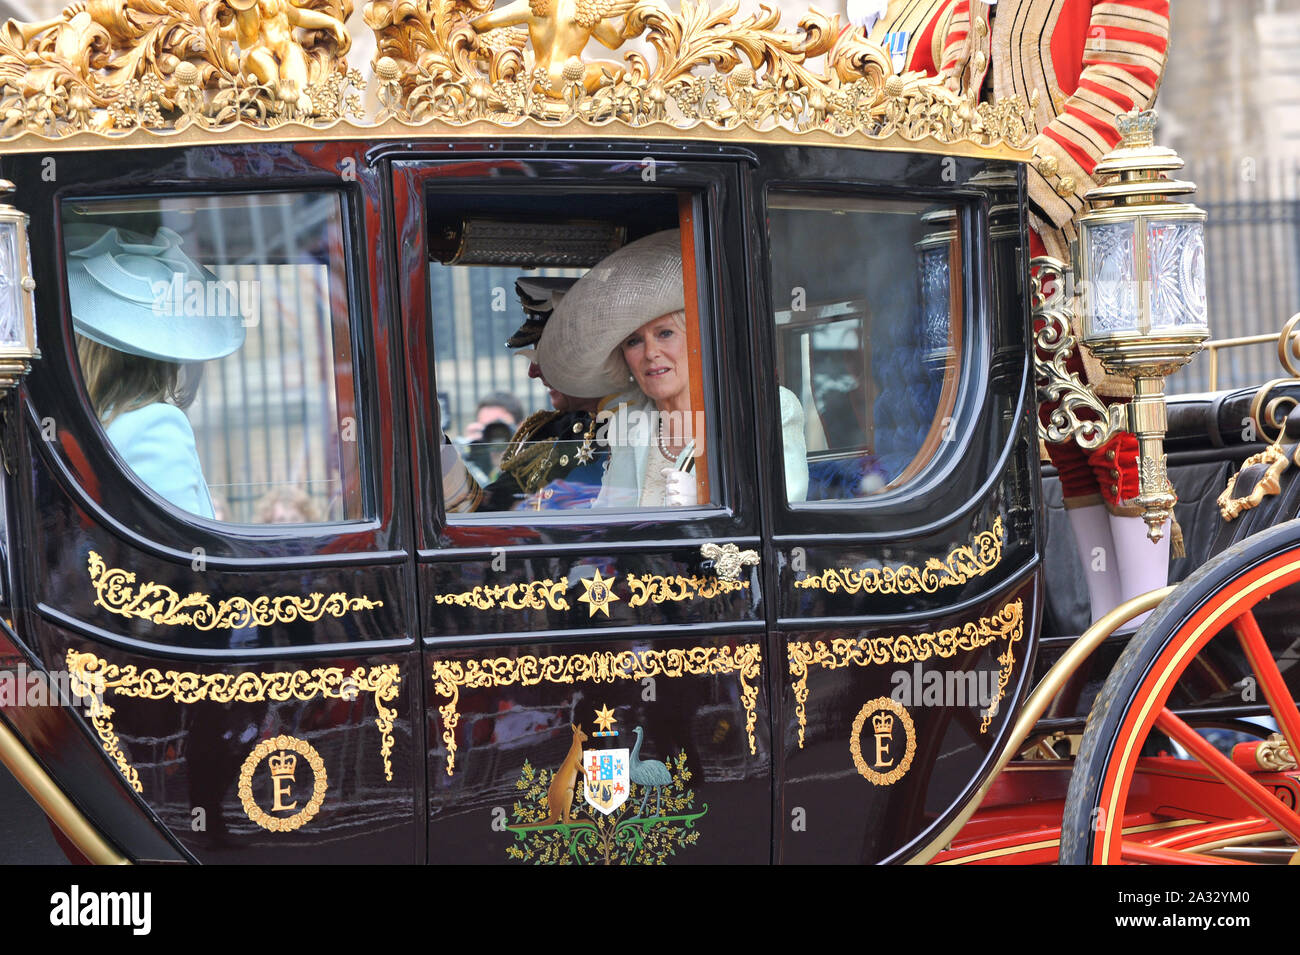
(728, 559)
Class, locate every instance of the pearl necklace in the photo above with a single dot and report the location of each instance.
(663, 445)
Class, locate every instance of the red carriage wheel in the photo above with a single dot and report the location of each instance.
(1147, 786)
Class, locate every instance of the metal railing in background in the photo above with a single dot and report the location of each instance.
(1286, 342)
(1252, 247)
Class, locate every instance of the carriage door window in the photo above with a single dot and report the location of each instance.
(570, 367)
(867, 304)
(215, 347)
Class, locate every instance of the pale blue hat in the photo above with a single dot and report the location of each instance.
(145, 296)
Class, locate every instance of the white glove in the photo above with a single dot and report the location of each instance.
(865, 13)
(681, 490)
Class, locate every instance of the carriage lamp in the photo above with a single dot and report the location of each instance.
(1140, 261)
(17, 301)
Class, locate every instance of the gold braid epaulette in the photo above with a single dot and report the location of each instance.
(527, 460)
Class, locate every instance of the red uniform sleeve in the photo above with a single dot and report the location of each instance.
(1123, 57)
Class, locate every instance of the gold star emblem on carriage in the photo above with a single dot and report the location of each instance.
(606, 719)
(599, 595)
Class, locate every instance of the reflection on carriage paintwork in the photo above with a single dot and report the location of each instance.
(93, 676)
(449, 676)
(961, 564)
(1007, 625)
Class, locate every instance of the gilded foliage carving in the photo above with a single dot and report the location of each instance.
(116, 591)
(543, 594)
(92, 677)
(450, 676)
(960, 565)
(533, 595)
(1007, 625)
(110, 66)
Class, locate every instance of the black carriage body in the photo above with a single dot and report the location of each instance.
(440, 699)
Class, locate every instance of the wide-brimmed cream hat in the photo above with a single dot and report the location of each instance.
(637, 284)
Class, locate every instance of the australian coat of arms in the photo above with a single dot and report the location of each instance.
(597, 806)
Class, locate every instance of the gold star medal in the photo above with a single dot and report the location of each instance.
(585, 454)
(606, 719)
(599, 595)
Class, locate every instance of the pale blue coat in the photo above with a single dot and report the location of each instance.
(157, 442)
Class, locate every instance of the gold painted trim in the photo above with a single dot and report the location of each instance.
(1230, 507)
(60, 810)
(962, 564)
(449, 676)
(542, 594)
(855, 741)
(117, 592)
(1007, 624)
(320, 783)
(533, 595)
(93, 676)
(1036, 706)
(656, 588)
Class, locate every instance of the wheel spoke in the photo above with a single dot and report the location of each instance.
(1233, 776)
(1139, 852)
(1270, 678)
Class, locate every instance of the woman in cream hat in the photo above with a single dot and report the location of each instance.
(621, 332)
(132, 334)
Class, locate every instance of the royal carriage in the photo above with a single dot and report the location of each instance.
(307, 655)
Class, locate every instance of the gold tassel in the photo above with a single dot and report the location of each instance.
(1176, 548)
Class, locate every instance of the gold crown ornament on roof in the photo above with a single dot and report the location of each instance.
(113, 67)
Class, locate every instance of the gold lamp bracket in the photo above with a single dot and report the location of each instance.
(1079, 414)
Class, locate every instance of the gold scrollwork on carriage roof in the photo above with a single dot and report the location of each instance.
(543, 594)
(450, 676)
(117, 592)
(962, 564)
(93, 676)
(112, 67)
(1007, 624)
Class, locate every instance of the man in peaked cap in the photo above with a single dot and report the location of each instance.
(553, 459)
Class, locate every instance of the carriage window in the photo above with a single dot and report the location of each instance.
(569, 355)
(215, 346)
(868, 336)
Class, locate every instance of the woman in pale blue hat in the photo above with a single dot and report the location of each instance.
(141, 308)
(621, 332)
